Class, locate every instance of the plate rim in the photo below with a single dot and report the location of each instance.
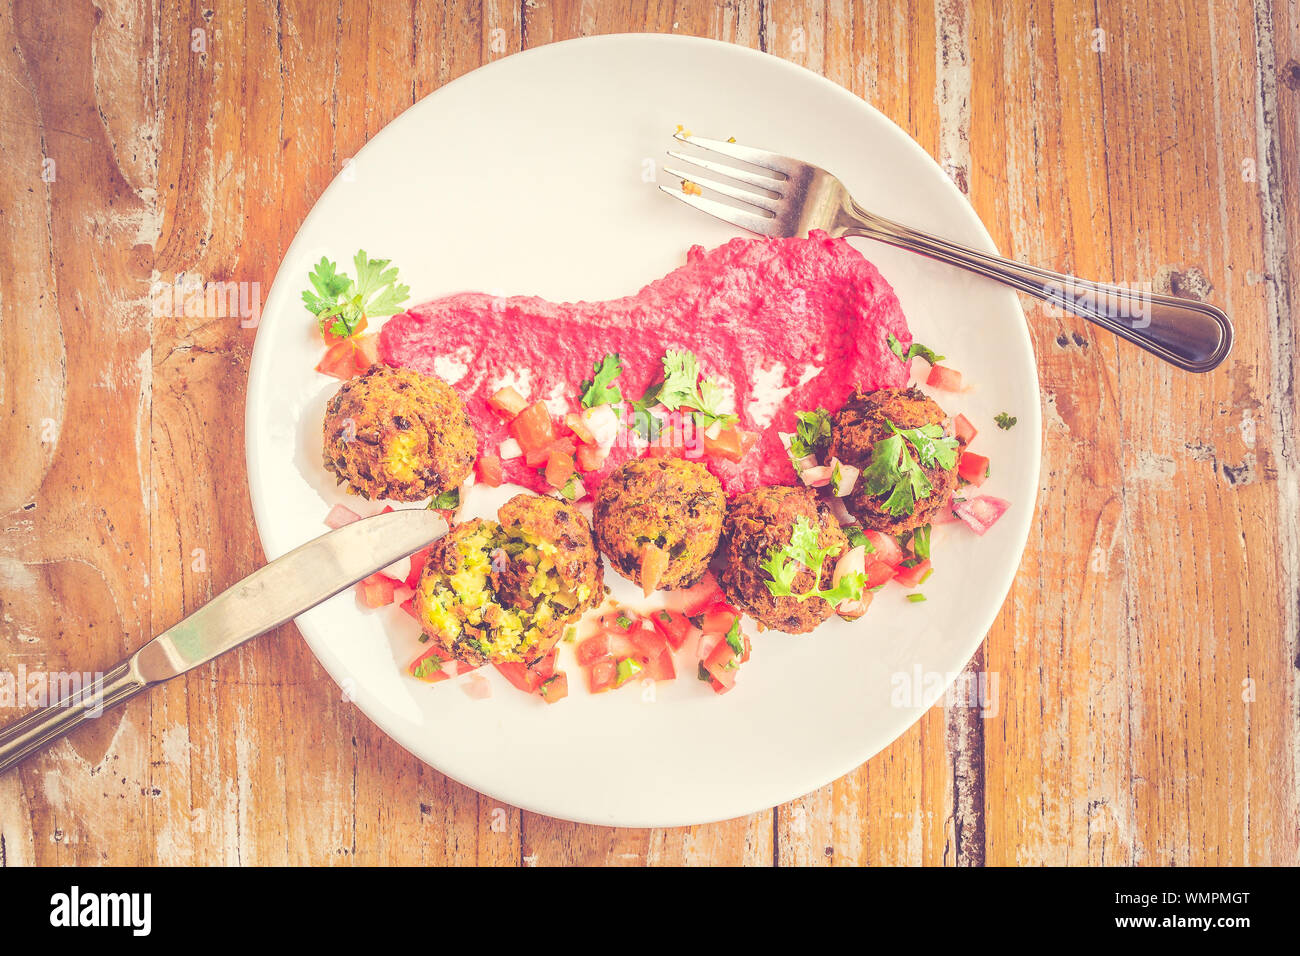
(260, 361)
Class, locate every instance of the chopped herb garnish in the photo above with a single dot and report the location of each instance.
(703, 674)
(813, 429)
(340, 302)
(446, 501)
(913, 350)
(628, 668)
(601, 390)
(682, 388)
(570, 489)
(857, 539)
(734, 640)
(784, 564)
(921, 541)
(1005, 422)
(896, 473)
(570, 634)
(916, 598)
(623, 621)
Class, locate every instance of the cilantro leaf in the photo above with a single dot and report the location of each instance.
(894, 472)
(857, 539)
(682, 388)
(931, 447)
(915, 349)
(734, 640)
(802, 553)
(1005, 422)
(446, 501)
(921, 542)
(813, 428)
(600, 389)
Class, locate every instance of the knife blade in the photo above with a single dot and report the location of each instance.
(270, 596)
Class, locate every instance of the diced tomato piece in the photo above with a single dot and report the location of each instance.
(963, 429)
(591, 458)
(719, 619)
(592, 650)
(332, 339)
(718, 686)
(730, 445)
(698, 598)
(722, 664)
(654, 562)
(433, 673)
(418, 561)
(660, 666)
(878, 572)
(340, 361)
(402, 594)
(942, 377)
(533, 428)
(528, 679)
(673, 625)
(578, 425)
(974, 468)
(647, 639)
(490, 470)
(664, 447)
(409, 607)
(602, 675)
(980, 513)
(508, 402)
(367, 351)
(377, 590)
(537, 457)
(555, 687)
(886, 548)
(559, 469)
(339, 516)
(911, 577)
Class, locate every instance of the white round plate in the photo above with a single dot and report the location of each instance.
(535, 175)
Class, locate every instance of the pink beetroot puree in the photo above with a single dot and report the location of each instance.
(791, 324)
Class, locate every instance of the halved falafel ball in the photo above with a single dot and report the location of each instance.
(658, 521)
(504, 590)
(394, 433)
(860, 424)
(761, 522)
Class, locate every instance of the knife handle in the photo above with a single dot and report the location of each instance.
(32, 732)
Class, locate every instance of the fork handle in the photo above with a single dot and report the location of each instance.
(1195, 336)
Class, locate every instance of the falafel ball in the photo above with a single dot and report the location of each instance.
(394, 433)
(861, 423)
(505, 590)
(663, 515)
(761, 522)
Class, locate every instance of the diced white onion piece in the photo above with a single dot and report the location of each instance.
(510, 449)
(713, 431)
(341, 515)
(846, 476)
(477, 687)
(786, 439)
(817, 477)
(853, 561)
(603, 423)
(804, 463)
(841, 512)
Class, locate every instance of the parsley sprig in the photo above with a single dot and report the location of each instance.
(803, 553)
(682, 388)
(897, 463)
(600, 389)
(913, 350)
(340, 302)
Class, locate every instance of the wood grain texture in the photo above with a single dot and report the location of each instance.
(1145, 704)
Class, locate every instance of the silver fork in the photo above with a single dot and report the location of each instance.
(787, 197)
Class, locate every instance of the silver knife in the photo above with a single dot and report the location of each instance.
(265, 599)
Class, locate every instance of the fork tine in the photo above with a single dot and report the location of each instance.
(731, 172)
(763, 225)
(746, 154)
(726, 189)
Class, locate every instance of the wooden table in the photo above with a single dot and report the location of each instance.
(1145, 662)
